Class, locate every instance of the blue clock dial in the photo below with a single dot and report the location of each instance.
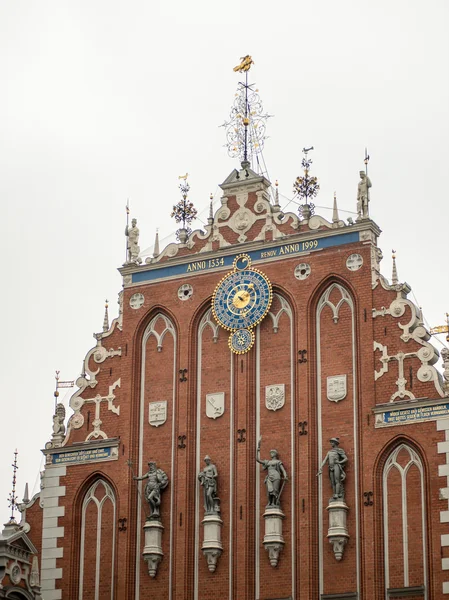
(242, 299)
(241, 341)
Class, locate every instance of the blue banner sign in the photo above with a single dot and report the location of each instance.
(84, 455)
(410, 415)
(207, 264)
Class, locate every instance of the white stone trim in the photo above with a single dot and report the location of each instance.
(231, 474)
(275, 317)
(390, 464)
(51, 494)
(443, 471)
(90, 497)
(149, 331)
(326, 302)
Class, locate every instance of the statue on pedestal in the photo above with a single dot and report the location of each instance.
(157, 482)
(276, 476)
(132, 233)
(363, 196)
(208, 479)
(336, 458)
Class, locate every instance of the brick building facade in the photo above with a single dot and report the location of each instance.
(340, 353)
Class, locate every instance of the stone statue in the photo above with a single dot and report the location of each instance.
(276, 476)
(208, 479)
(157, 482)
(132, 233)
(58, 421)
(336, 457)
(363, 196)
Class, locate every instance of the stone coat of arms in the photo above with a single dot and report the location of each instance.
(215, 405)
(336, 388)
(275, 396)
(158, 413)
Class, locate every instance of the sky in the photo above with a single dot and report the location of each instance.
(104, 101)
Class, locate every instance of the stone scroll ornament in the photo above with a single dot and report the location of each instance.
(212, 547)
(274, 481)
(338, 510)
(153, 528)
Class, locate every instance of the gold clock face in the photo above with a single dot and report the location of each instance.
(242, 298)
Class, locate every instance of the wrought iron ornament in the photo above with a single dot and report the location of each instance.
(240, 301)
(184, 211)
(12, 498)
(245, 130)
(306, 187)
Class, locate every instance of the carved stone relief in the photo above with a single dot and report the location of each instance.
(336, 388)
(215, 405)
(354, 262)
(136, 300)
(185, 292)
(302, 271)
(157, 413)
(275, 396)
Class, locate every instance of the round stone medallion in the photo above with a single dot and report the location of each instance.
(354, 262)
(185, 292)
(136, 301)
(302, 271)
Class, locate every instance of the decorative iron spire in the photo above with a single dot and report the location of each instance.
(394, 275)
(245, 130)
(306, 187)
(335, 217)
(156, 251)
(12, 498)
(106, 316)
(184, 212)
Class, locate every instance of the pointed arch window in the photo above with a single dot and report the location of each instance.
(404, 522)
(97, 550)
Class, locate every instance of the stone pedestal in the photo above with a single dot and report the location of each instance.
(152, 552)
(212, 547)
(338, 531)
(273, 539)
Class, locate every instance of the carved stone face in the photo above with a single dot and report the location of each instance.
(134, 222)
(273, 453)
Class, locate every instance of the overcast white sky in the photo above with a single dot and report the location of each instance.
(104, 100)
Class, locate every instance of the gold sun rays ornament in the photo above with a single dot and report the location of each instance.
(240, 301)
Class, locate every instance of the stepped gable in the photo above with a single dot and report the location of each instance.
(246, 214)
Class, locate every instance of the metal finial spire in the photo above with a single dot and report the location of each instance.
(394, 275)
(306, 187)
(12, 498)
(335, 217)
(64, 384)
(245, 131)
(106, 316)
(184, 212)
(156, 251)
(366, 161)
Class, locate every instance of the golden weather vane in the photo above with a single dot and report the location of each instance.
(245, 65)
